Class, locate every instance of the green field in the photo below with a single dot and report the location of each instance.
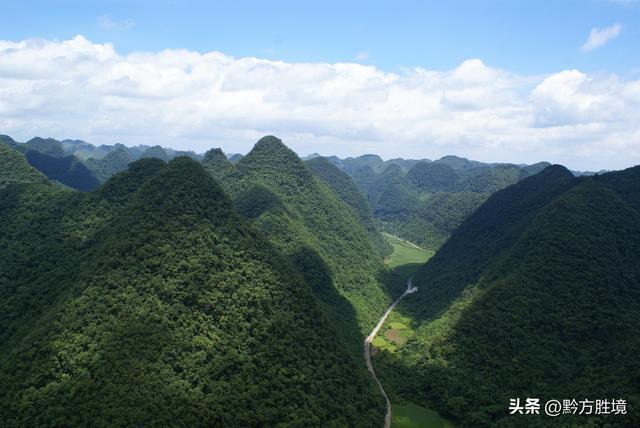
(405, 254)
(409, 415)
(403, 262)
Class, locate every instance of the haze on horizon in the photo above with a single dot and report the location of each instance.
(560, 90)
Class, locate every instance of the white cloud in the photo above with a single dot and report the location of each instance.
(190, 100)
(601, 36)
(106, 22)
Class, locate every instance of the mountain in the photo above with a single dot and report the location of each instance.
(350, 165)
(8, 141)
(83, 150)
(15, 168)
(306, 220)
(347, 190)
(151, 302)
(217, 163)
(433, 177)
(113, 162)
(68, 170)
(536, 294)
(47, 146)
(155, 152)
(235, 157)
(424, 201)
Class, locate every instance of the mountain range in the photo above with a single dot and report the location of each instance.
(150, 287)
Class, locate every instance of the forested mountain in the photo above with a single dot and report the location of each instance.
(48, 157)
(217, 163)
(113, 162)
(155, 152)
(15, 168)
(68, 170)
(83, 166)
(423, 201)
(536, 294)
(151, 302)
(347, 190)
(305, 219)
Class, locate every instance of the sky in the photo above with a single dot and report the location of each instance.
(497, 81)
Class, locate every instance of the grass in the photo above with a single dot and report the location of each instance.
(405, 253)
(410, 415)
(394, 333)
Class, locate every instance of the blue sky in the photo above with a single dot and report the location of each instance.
(522, 36)
(496, 81)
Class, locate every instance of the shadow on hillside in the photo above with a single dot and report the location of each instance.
(340, 311)
(49, 257)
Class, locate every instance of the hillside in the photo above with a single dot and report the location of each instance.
(424, 201)
(83, 166)
(347, 190)
(321, 234)
(150, 301)
(112, 163)
(217, 163)
(15, 168)
(68, 170)
(536, 294)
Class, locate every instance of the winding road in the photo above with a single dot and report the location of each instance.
(367, 348)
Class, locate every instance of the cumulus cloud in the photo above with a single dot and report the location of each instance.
(600, 37)
(191, 100)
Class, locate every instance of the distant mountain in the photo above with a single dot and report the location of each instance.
(151, 302)
(155, 152)
(15, 168)
(115, 161)
(347, 190)
(217, 163)
(68, 170)
(536, 294)
(48, 157)
(424, 201)
(102, 161)
(433, 177)
(47, 146)
(233, 158)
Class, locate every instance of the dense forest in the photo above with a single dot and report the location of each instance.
(83, 166)
(536, 294)
(424, 201)
(151, 302)
(306, 220)
(145, 286)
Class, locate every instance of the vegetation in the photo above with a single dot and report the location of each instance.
(83, 166)
(151, 302)
(403, 262)
(68, 170)
(410, 415)
(323, 236)
(425, 201)
(347, 190)
(217, 163)
(112, 163)
(404, 253)
(15, 168)
(536, 294)
(155, 152)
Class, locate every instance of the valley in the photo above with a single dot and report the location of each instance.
(137, 277)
